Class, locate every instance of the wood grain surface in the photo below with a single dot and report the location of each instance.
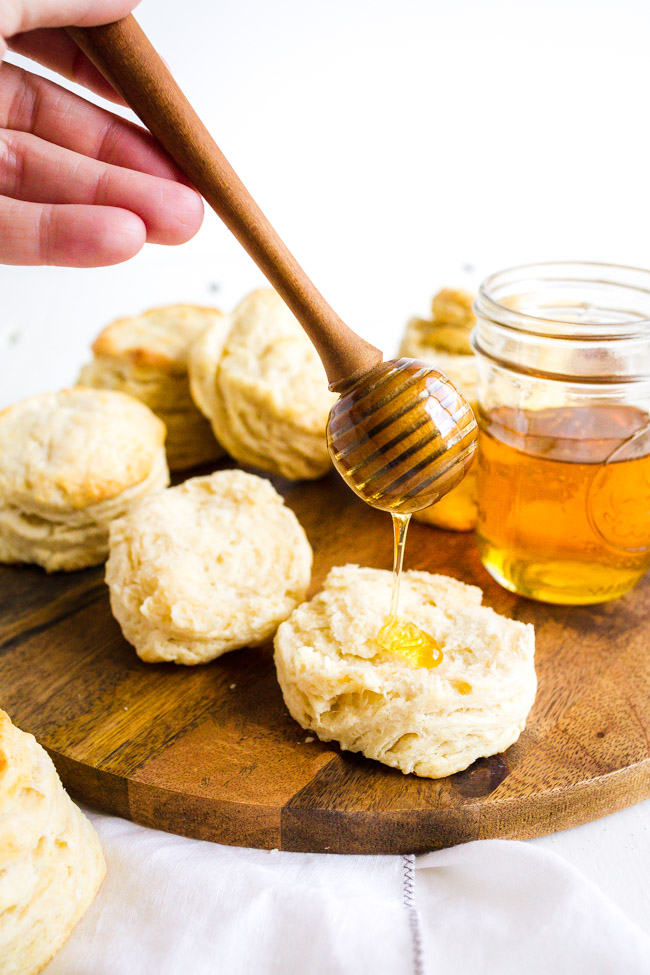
(211, 751)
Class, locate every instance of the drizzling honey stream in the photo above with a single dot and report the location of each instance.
(402, 437)
(398, 635)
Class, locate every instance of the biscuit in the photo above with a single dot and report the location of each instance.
(444, 342)
(51, 863)
(338, 683)
(264, 389)
(458, 510)
(71, 462)
(146, 357)
(211, 565)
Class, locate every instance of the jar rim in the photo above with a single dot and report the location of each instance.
(567, 272)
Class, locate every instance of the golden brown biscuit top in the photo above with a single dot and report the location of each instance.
(453, 306)
(452, 321)
(158, 339)
(75, 448)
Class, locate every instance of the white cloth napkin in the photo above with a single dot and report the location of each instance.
(174, 906)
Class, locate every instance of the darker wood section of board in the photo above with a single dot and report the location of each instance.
(212, 752)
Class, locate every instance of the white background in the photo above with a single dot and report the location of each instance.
(397, 147)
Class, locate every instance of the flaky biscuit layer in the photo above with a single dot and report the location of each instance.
(75, 539)
(264, 389)
(146, 357)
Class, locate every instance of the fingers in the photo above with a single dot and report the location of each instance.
(36, 171)
(55, 49)
(29, 103)
(92, 187)
(68, 235)
(30, 14)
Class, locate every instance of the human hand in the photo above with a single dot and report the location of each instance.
(79, 186)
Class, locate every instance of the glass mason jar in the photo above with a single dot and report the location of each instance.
(564, 413)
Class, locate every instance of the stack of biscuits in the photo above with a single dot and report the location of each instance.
(443, 341)
(250, 382)
(146, 356)
(70, 463)
(51, 863)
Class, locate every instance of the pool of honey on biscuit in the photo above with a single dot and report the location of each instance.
(402, 638)
(398, 636)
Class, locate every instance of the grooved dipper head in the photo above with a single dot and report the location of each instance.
(402, 436)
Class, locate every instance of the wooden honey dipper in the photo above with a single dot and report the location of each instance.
(400, 434)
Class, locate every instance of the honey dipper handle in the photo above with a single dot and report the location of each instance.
(126, 58)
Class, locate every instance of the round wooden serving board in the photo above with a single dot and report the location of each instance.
(211, 751)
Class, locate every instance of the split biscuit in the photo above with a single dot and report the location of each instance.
(146, 357)
(71, 462)
(51, 863)
(264, 389)
(338, 682)
(211, 565)
(444, 342)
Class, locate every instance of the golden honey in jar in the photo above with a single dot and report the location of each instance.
(562, 516)
(564, 454)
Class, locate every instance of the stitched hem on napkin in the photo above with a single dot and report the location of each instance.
(408, 890)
